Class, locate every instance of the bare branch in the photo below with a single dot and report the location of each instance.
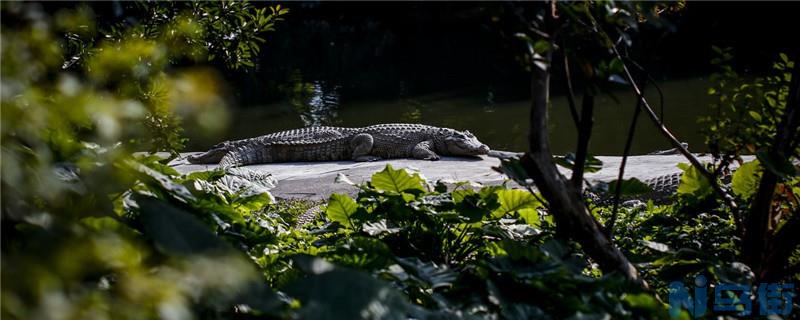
(584, 133)
(573, 110)
(621, 175)
(673, 140)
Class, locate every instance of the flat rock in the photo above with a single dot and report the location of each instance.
(315, 180)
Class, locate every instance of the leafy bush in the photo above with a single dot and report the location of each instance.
(411, 249)
(68, 129)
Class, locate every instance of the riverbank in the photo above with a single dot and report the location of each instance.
(316, 180)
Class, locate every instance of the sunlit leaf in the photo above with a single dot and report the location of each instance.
(341, 208)
(512, 200)
(693, 183)
(397, 180)
(746, 178)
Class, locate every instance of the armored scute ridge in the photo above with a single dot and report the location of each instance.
(376, 142)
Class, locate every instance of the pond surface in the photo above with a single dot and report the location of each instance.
(501, 125)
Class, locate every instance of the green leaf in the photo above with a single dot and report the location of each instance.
(630, 187)
(693, 183)
(592, 164)
(615, 66)
(512, 200)
(746, 178)
(331, 292)
(755, 115)
(512, 167)
(340, 208)
(530, 215)
(176, 231)
(781, 167)
(541, 46)
(433, 276)
(398, 181)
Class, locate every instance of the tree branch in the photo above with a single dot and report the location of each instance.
(674, 141)
(621, 175)
(573, 110)
(584, 133)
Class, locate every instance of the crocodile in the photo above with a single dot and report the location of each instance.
(382, 141)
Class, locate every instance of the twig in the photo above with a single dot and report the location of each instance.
(584, 134)
(573, 111)
(675, 142)
(621, 175)
(653, 82)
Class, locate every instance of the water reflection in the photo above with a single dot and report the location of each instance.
(500, 123)
(320, 108)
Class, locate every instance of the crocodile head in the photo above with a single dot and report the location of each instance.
(464, 143)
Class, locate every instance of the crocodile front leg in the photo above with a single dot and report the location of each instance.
(424, 151)
(362, 145)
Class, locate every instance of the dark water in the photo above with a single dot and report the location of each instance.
(457, 65)
(501, 125)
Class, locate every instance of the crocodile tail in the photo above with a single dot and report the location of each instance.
(211, 156)
(244, 155)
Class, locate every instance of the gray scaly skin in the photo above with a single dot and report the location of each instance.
(371, 143)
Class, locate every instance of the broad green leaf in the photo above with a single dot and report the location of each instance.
(433, 276)
(530, 215)
(781, 167)
(176, 231)
(365, 253)
(630, 187)
(397, 180)
(512, 167)
(161, 181)
(693, 183)
(340, 208)
(332, 292)
(512, 200)
(461, 194)
(746, 178)
(208, 175)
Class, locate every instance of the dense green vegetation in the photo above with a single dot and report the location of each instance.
(92, 230)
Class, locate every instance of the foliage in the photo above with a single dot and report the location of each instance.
(72, 246)
(747, 109)
(420, 251)
(90, 230)
(130, 57)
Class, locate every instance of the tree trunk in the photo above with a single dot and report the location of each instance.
(765, 254)
(565, 202)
